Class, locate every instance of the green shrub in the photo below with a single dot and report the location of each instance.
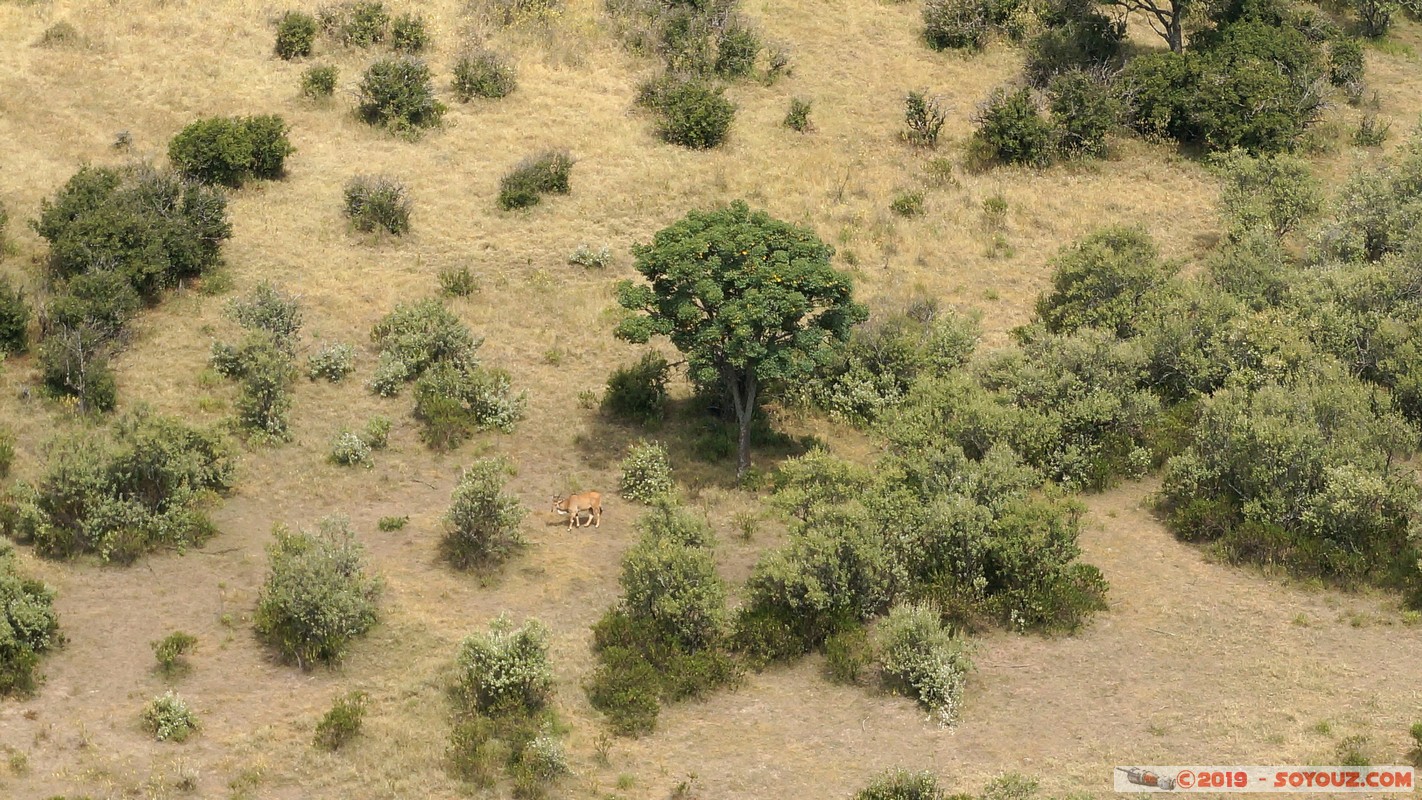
(102, 302)
(349, 450)
(955, 24)
(798, 117)
(646, 473)
(396, 93)
(391, 524)
(1084, 112)
(270, 309)
(377, 432)
(884, 357)
(376, 202)
(1103, 281)
(638, 392)
(60, 34)
(153, 228)
(296, 32)
(28, 622)
(506, 670)
(663, 642)
(483, 73)
(848, 655)
(1371, 132)
(585, 256)
(1345, 62)
(923, 659)
(525, 184)
(168, 719)
(319, 81)
(263, 364)
(408, 34)
(1297, 475)
(119, 495)
(626, 687)
(694, 114)
(1255, 88)
(670, 581)
(736, 50)
(482, 525)
(171, 649)
(1087, 41)
(1275, 193)
(455, 400)
(14, 319)
(415, 337)
(1012, 129)
(230, 150)
(907, 204)
(1376, 16)
(1157, 91)
(332, 361)
(902, 785)
(343, 722)
(355, 23)
(924, 117)
(7, 451)
(74, 362)
(318, 595)
(457, 281)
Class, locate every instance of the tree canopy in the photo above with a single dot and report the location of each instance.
(748, 299)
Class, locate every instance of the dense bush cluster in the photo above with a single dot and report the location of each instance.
(1252, 76)
(318, 595)
(231, 150)
(426, 343)
(1246, 84)
(876, 369)
(482, 525)
(503, 716)
(29, 626)
(123, 493)
(1301, 476)
(701, 38)
(666, 640)
(926, 522)
(355, 23)
(1280, 392)
(533, 177)
(118, 238)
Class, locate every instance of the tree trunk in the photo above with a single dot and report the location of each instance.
(1175, 37)
(743, 389)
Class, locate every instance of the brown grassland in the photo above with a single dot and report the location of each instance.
(1195, 661)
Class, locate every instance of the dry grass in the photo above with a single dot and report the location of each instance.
(1232, 678)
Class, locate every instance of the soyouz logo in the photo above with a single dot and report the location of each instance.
(1264, 779)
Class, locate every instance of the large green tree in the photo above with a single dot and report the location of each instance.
(751, 301)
